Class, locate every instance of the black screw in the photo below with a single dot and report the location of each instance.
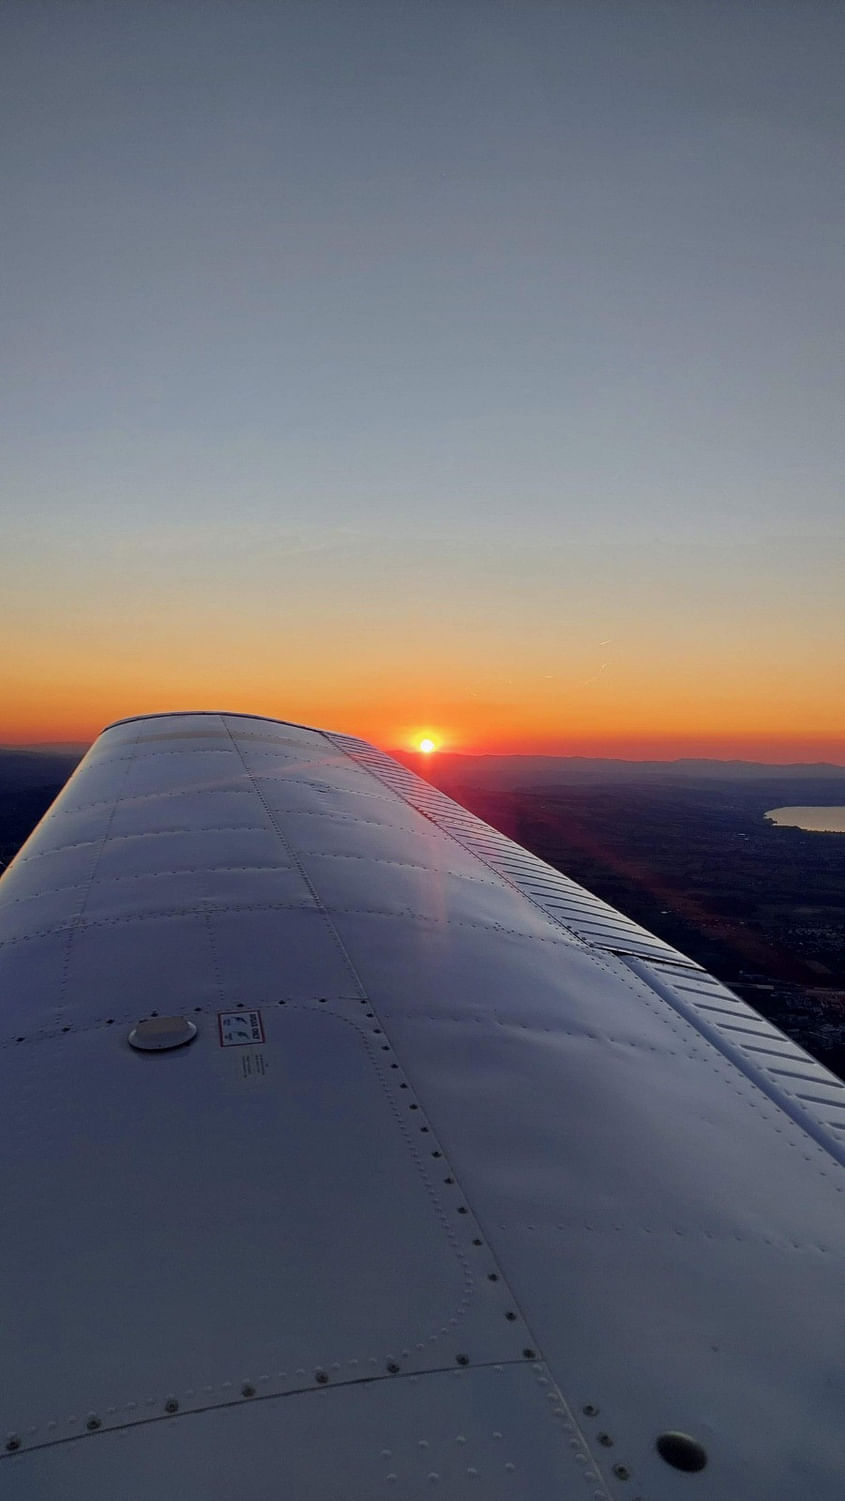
(437, 1154)
(171, 1405)
(605, 1440)
(510, 1316)
(393, 1367)
(92, 1424)
(448, 1180)
(621, 1472)
(247, 1390)
(477, 1242)
(13, 1442)
(463, 1360)
(413, 1107)
(462, 1209)
(529, 1353)
(321, 1377)
(492, 1276)
(589, 1410)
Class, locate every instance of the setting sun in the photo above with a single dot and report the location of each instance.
(427, 746)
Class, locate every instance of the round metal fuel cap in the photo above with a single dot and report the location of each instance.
(156, 1033)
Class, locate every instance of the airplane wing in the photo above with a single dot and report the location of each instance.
(349, 1151)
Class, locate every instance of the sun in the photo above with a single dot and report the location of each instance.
(427, 745)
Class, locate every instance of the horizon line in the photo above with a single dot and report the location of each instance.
(69, 746)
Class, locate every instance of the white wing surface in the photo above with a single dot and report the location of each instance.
(431, 1175)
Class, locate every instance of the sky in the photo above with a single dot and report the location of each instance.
(426, 367)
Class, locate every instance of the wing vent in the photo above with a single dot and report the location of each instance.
(799, 1084)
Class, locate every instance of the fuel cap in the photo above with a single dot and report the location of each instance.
(157, 1033)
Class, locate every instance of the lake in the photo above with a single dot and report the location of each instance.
(819, 820)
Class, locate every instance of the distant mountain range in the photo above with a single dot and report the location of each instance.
(75, 748)
(506, 772)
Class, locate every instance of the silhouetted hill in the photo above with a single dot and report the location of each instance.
(563, 771)
(30, 778)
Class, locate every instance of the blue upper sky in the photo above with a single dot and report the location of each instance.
(354, 276)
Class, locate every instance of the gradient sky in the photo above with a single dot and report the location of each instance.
(444, 366)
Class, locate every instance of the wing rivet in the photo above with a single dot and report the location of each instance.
(171, 1405)
(590, 1410)
(13, 1442)
(621, 1472)
(605, 1440)
(393, 1367)
(321, 1377)
(681, 1451)
(158, 1033)
(463, 1360)
(94, 1423)
(247, 1390)
(529, 1353)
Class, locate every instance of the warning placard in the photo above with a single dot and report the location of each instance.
(238, 1029)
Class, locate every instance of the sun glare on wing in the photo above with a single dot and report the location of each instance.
(427, 745)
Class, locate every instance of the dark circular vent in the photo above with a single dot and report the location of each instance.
(681, 1451)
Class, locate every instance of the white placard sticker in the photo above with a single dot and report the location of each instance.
(239, 1029)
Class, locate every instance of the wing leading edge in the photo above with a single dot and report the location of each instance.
(464, 1178)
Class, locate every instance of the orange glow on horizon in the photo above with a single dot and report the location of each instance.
(62, 691)
(64, 716)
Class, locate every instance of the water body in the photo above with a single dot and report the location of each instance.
(819, 820)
